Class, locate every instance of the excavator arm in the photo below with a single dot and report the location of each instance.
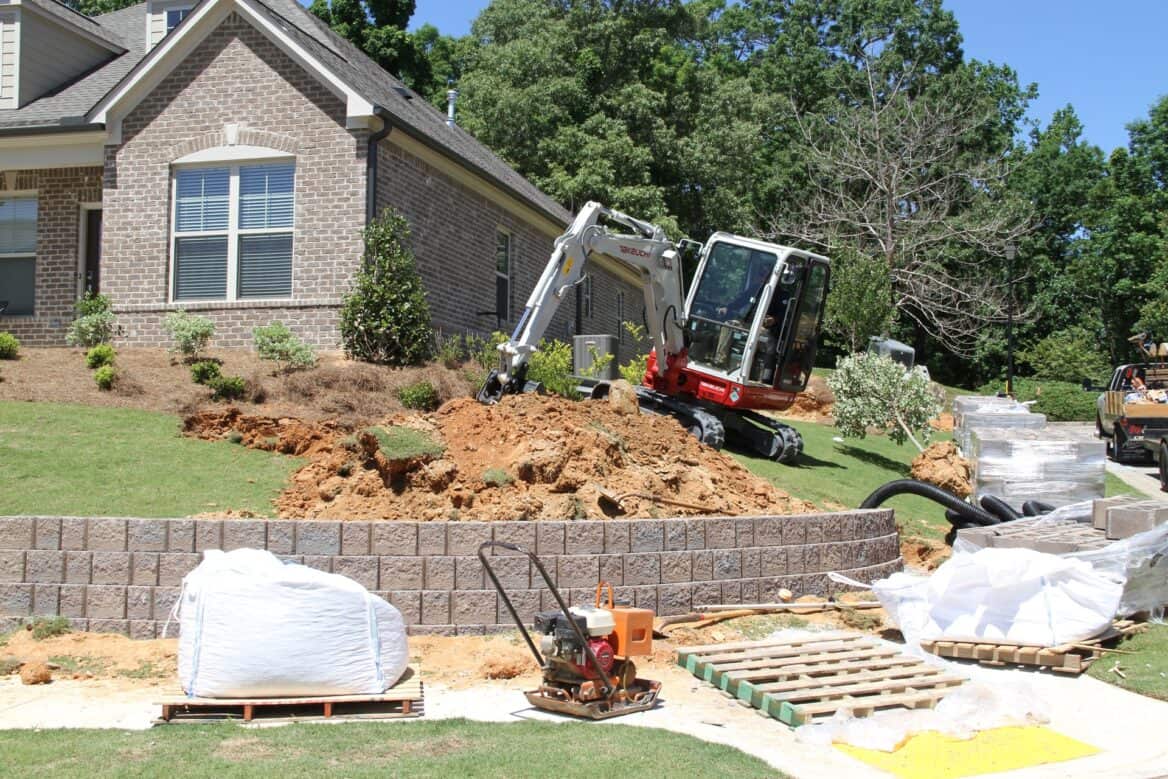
(597, 230)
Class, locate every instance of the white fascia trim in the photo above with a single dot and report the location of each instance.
(59, 150)
(174, 48)
(233, 154)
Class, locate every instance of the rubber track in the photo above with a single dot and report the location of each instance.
(709, 428)
(790, 441)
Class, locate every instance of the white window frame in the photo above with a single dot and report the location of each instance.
(185, 10)
(504, 317)
(5, 256)
(232, 232)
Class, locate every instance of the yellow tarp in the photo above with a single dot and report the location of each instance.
(934, 756)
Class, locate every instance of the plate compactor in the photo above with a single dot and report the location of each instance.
(585, 652)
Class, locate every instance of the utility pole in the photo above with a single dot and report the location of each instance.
(1011, 253)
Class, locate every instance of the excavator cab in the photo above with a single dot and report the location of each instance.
(753, 313)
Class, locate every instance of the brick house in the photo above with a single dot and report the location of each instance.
(223, 156)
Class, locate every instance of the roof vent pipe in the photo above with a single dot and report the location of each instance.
(451, 96)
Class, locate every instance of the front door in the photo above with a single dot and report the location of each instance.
(92, 267)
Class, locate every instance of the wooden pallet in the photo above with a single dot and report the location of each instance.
(1067, 659)
(798, 680)
(404, 699)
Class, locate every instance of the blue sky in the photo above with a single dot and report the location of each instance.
(1107, 58)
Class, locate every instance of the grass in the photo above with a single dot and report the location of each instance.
(404, 443)
(440, 748)
(76, 664)
(831, 473)
(1145, 672)
(82, 460)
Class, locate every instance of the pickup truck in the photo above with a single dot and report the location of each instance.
(1131, 414)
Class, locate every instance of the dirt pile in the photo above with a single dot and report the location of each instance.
(813, 404)
(941, 465)
(528, 457)
(92, 655)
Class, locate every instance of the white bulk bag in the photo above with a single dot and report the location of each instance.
(1016, 596)
(254, 626)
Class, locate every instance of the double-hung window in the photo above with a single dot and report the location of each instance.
(233, 232)
(18, 243)
(502, 277)
(174, 16)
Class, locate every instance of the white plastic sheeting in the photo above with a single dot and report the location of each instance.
(254, 626)
(1006, 595)
(1057, 464)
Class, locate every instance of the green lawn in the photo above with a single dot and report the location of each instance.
(82, 460)
(444, 748)
(1145, 672)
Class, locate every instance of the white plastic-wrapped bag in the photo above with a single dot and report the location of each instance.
(1015, 596)
(254, 626)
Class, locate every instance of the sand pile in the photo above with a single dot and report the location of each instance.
(528, 457)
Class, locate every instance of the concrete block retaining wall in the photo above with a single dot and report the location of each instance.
(123, 575)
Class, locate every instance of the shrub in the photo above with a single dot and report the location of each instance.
(872, 390)
(104, 376)
(485, 351)
(227, 387)
(95, 321)
(205, 371)
(633, 371)
(1067, 355)
(497, 477)
(551, 366)
(102, 354)
(386, 318)
(421, 396)
(278, 344)
(1061, 401)
(9, 346)
(451, 351)
(191, 333)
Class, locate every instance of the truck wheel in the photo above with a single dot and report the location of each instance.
(1162, 461)
(1099, 427)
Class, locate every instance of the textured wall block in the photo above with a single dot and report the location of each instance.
(46, 567)
(318, 538)
(463, 538)
(106, 535)
(355, 538)
(402, 573)
(146, 535)
(17, 532)
(244, 534)
(394, 538)
(48, 532)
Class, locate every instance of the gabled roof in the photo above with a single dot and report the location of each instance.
(66, 107)
(68, 17)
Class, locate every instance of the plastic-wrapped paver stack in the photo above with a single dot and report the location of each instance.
(971, 412)
(1054, 465)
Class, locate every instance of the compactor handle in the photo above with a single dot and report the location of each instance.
(599, 588)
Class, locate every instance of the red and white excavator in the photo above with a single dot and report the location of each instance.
(742, 340)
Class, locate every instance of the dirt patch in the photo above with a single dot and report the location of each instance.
(922, 554)
(813, 404)
(507, 663)
(528, 457)
(97, 655)
(941, 465)
(943, 423)
(156, 380)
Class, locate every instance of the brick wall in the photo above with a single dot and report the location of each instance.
(60, 193)
(235, 77)
(123, 575)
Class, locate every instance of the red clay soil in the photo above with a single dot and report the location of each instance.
(940, 464)
(156, 380)
(548, 458)
(813, 404)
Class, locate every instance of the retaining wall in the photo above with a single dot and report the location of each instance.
(123, 575)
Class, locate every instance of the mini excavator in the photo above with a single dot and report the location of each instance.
(741, 341)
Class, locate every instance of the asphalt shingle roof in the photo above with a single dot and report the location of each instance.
(68, 105)
(409, 111)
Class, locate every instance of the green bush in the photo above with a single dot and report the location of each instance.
(49, 627)
(1061, 401)
(873, 391)
(1068, 355)
(104, 376)
(95, 322)
(191, 333)
(205, 371)
(386, 318)
(633, 371)
(551, 366)
(278, 344)
(102, 354)
(227, 387)
(421, 396)
(9, 346)
(451, 351)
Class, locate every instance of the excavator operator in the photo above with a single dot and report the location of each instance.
(738, 312)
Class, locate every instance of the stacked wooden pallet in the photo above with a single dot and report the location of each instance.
(1070, 658)
(404, 699)
(798, 680)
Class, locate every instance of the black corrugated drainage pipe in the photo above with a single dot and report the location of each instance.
(947, 499)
